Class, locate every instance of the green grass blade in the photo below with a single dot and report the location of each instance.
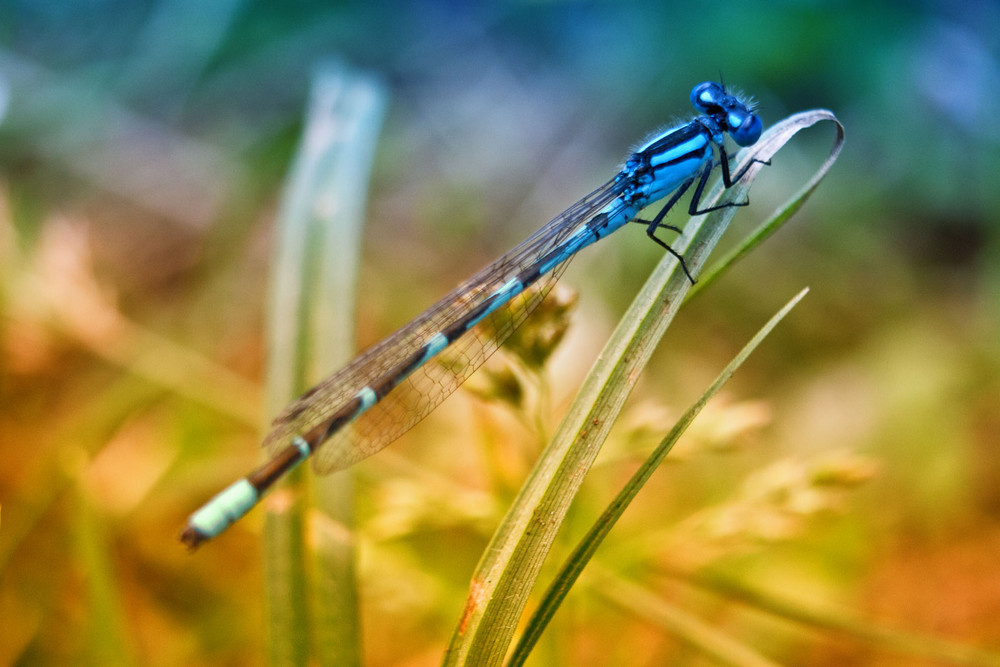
(311, 588)
(588, 545)
(510, 565)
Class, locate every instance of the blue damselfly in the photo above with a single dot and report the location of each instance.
(373, 400)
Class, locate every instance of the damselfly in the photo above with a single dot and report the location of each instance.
(373, 400)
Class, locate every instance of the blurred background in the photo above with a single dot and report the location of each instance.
(839, 504)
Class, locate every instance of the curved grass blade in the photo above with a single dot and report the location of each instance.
(510, 565)
(574, 565)
(771, 224)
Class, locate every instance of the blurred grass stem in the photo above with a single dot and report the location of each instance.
(310, 579)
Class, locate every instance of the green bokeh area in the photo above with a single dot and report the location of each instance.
(838, 504)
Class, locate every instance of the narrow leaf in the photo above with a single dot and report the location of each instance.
(510, 565)
(588, 545)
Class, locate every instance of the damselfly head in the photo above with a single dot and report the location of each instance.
(732, 113)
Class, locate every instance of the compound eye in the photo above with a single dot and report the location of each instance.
(744, 128)
(707, 96)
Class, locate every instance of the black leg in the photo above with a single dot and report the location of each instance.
(727, 180)
(657, 220)
(702, 180)
(700, 189)
(724, 163)
(657, 223)
(650, 233)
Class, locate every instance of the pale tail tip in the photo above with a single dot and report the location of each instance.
(219, 513)
(192, 537)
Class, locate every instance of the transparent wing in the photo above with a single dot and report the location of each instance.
(430, 384)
